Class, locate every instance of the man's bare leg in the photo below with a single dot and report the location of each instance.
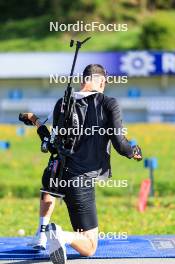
(86, 242)
(47, 204)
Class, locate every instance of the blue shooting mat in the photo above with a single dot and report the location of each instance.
(132, 247)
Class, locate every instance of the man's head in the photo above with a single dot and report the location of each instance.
(94, 78)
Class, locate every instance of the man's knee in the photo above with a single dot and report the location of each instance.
(91, 251)
(92, 235)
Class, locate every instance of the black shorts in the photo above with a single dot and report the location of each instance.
(79, 197)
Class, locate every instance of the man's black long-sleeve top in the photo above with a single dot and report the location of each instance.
(92, 155)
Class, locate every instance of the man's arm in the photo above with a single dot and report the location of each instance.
(42, 129)
(44, 133)
(56, 113)
(119, 141)
(31, 119)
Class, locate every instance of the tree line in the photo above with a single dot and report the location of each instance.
(69, 10)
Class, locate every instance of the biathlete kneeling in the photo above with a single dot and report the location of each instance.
(90, 160)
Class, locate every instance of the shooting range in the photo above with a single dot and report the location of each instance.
(39, 50)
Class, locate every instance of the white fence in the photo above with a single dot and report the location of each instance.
(144, 109)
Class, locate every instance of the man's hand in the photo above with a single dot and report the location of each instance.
(29, 119)
(137, 153)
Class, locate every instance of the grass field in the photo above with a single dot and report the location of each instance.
(21, 168)
(32, 34)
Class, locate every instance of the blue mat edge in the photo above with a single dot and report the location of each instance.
(37, 257)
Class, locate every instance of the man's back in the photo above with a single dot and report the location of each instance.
(97, 113)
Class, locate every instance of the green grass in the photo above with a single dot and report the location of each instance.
(157, 32)
(32, 34)
(21, 169)
(53, 42)
(22, 165)
(115, 214)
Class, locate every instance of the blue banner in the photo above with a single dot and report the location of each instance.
(130, 63)
(133, 63)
